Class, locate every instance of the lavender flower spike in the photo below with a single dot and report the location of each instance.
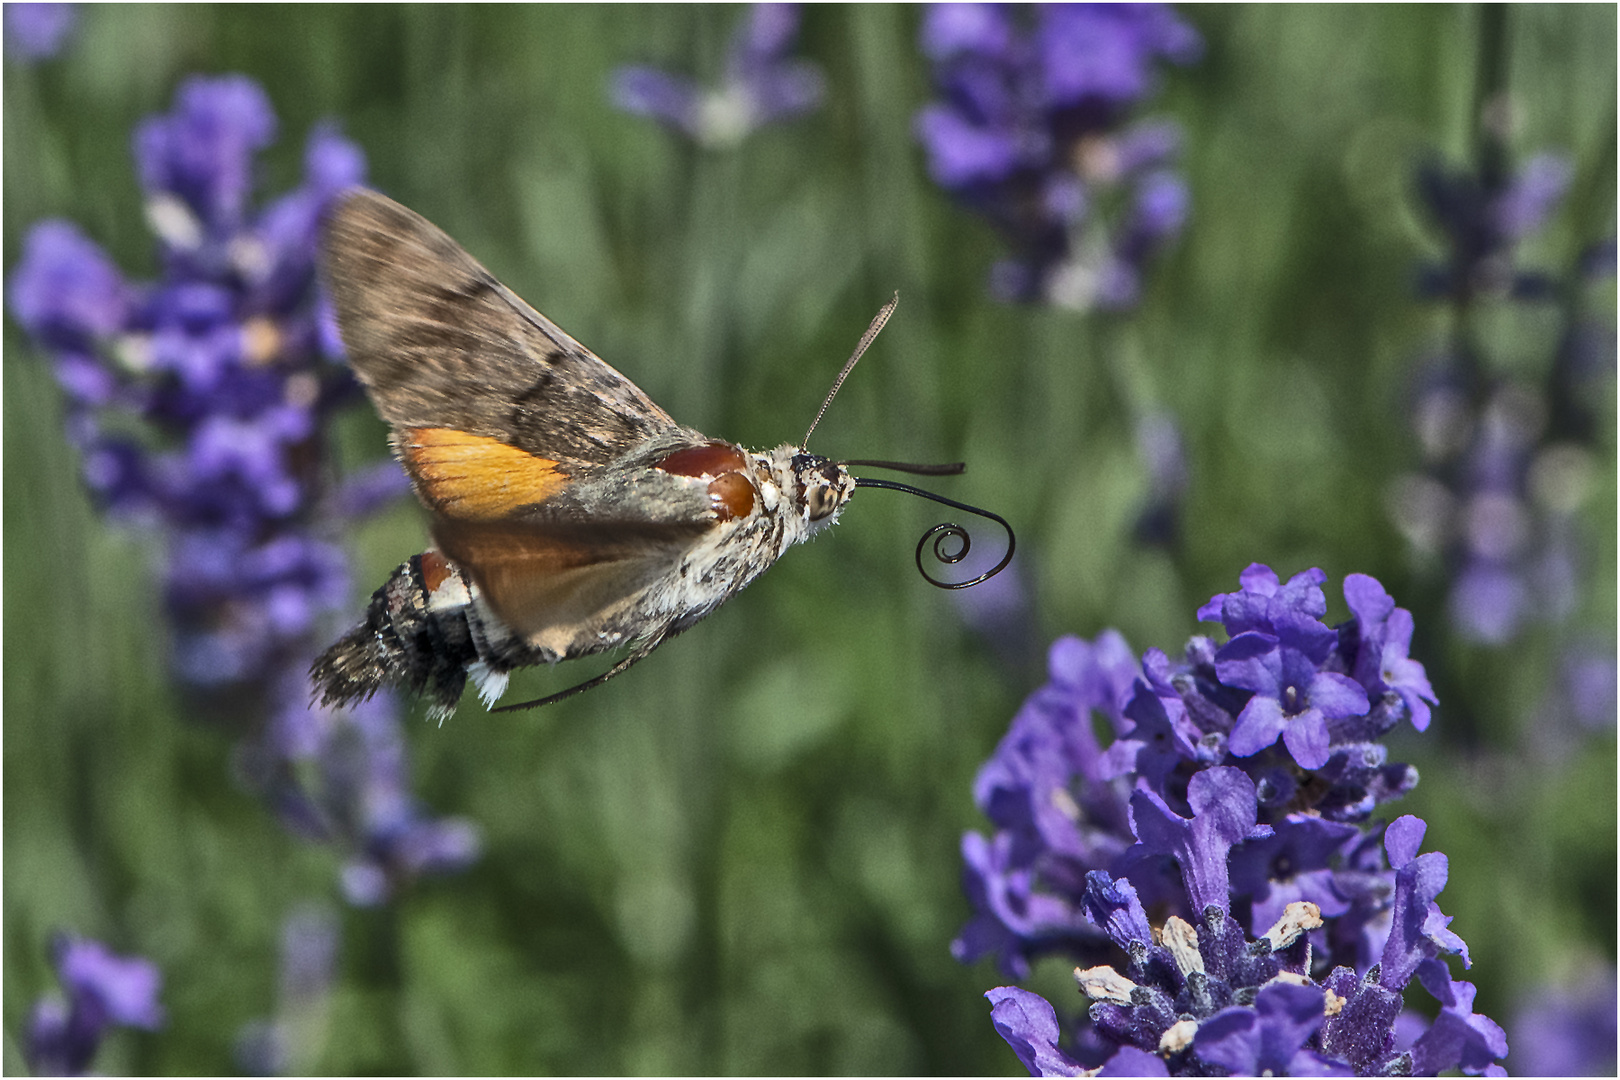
(1282, 940)
(1029, 127)
(198, 403)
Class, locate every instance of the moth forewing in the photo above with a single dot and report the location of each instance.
(438, 342)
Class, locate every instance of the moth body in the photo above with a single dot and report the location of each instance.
(431, 627)
(570, 514)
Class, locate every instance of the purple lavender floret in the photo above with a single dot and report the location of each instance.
(1292, 698)
(1290, 928)
(1030, 1025)
(38, 31)
(1030, 129)
(1418, 929)
(1269, 1038)
(1224, 814)
(104, 990)
(762, 84)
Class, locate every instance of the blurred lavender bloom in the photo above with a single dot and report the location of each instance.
(1164, 457)
(1567, 1029)
(219, 362)
(1482, 216)
(196, 163)
(1289, 936)
(198, 404)
(38, 31)
(1578, 703)
(1505, 509)
(1505, 457)
(1029, 130)
(369, 489)
(103, 990)
(67, 292)
(290, 1043)
(1589, 678)
(762, 85)
(1526, 203)
(343, 776)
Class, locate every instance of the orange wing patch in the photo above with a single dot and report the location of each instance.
(476, 478)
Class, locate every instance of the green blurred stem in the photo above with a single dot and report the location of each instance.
(1490, 89)
(1488, 119)
(378, 970)
(719, 231)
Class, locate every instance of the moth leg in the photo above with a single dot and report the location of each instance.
(641, 652)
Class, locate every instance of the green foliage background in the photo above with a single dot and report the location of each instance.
(742, 857)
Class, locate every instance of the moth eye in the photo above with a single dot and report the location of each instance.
(820, 501)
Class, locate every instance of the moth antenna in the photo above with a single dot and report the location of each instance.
(620, 668)
(954, 468)
(866, 340)
(945, 530)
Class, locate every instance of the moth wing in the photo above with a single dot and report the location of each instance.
(557, 585)
(507, 426)
(440, 344)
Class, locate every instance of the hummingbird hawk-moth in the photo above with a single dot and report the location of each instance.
(570, 514)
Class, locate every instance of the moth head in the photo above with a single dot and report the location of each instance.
(820, 488)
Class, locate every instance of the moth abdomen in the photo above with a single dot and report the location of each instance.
(410, 638)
